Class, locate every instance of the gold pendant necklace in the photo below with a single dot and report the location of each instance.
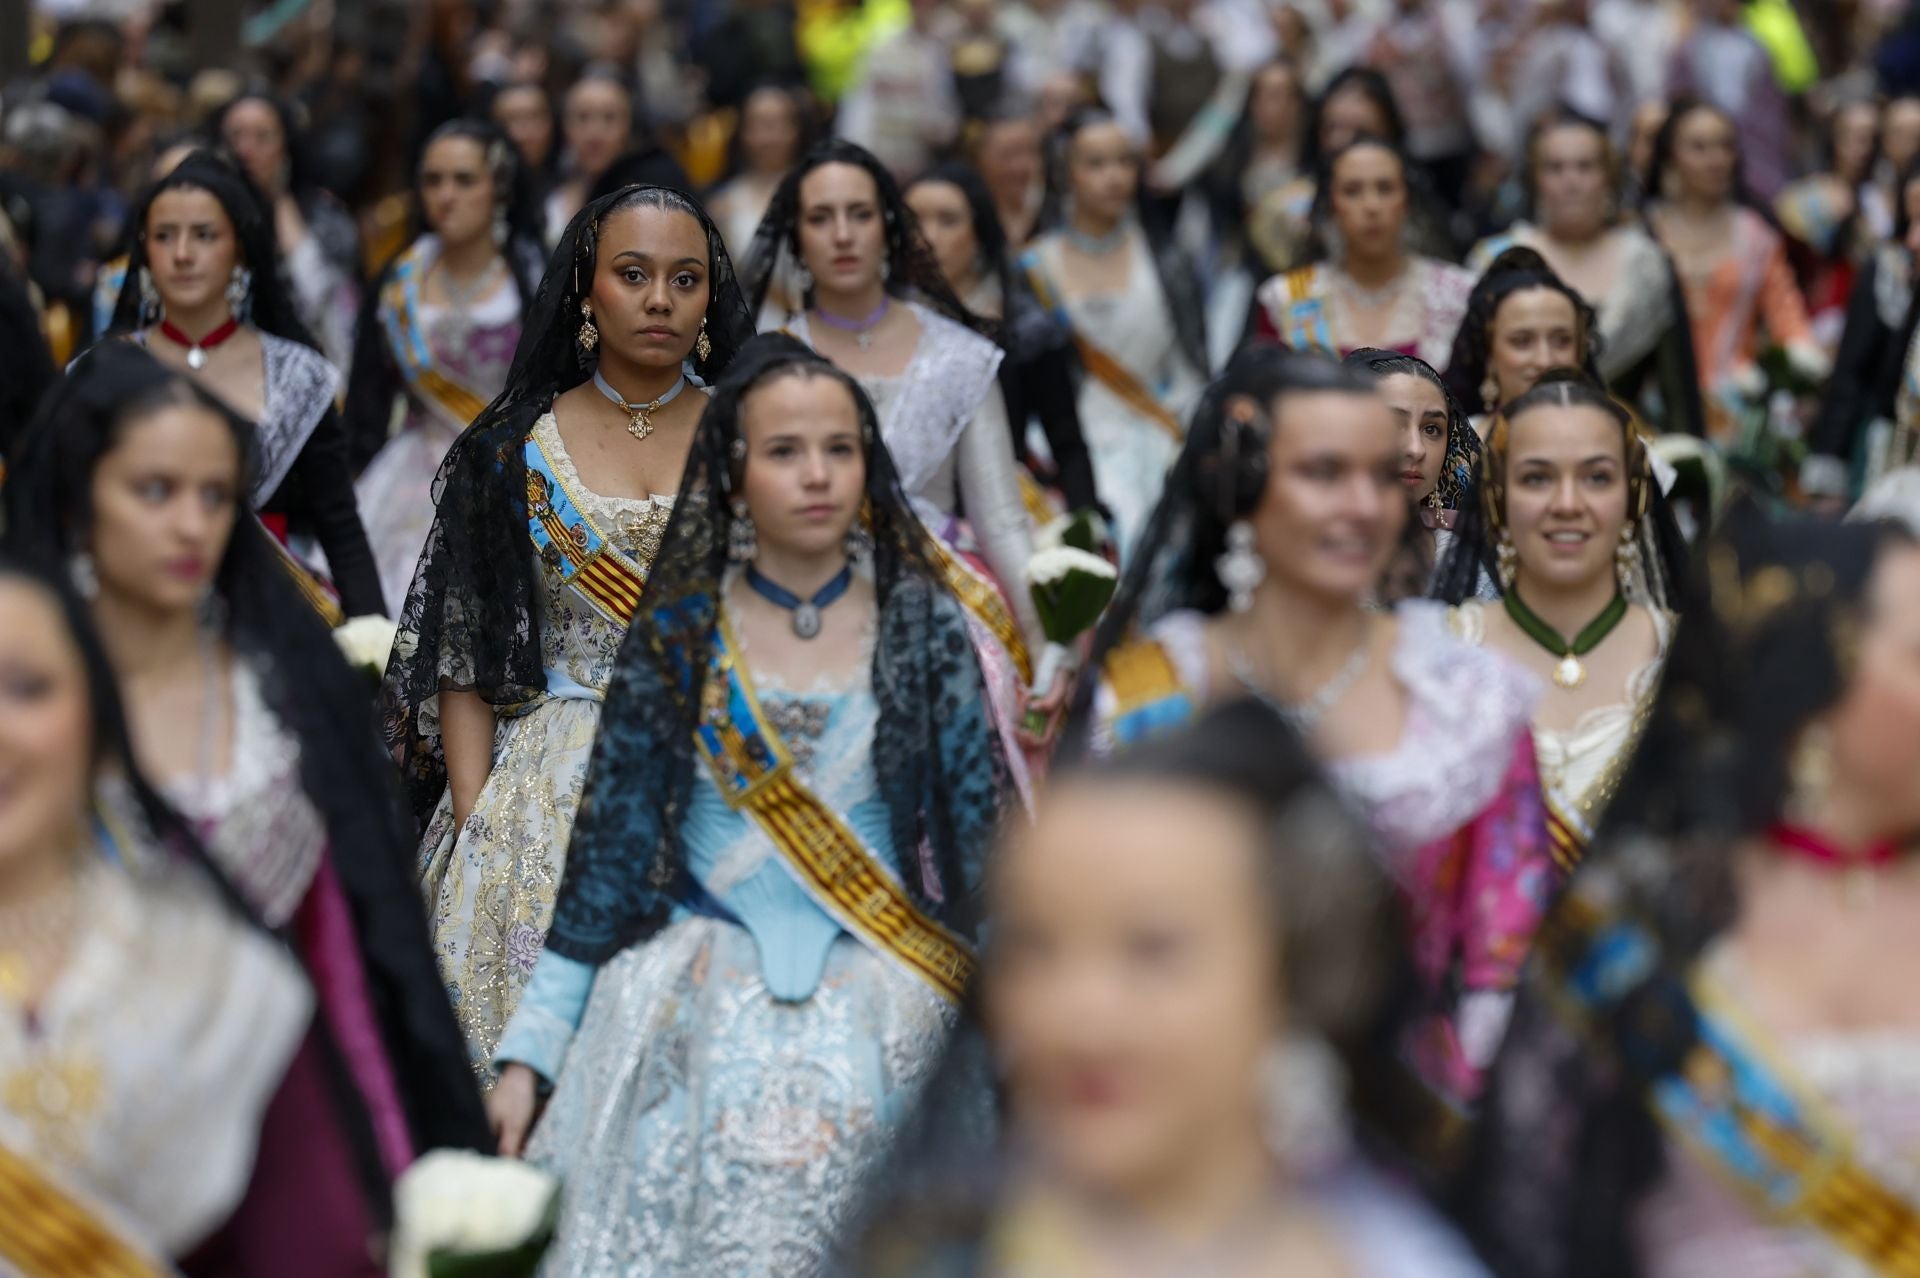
(639, 416)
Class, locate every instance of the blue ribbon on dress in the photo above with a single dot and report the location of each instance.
(562, 686)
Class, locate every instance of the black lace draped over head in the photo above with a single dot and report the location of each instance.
(471, 622)
(312, 692)
(1459, 468)
(935, 752)
(1219, 478)
(1515, 270)
(1659, 548)
(912, 269)
(269, 306)
(1566, 1147)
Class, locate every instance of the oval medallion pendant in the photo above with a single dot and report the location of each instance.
(1570, 674)
(806, 621)
(196, 358)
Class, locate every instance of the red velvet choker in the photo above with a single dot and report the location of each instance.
(197, 351)
(1805, 845)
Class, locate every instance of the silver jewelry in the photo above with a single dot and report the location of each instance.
(1240, 569)
(1373, 298)
(886, 268)
(742, 544)
(803, 277)
(1304, 716)
(461, 297)
(1624, 557)
(500, 228)
(1097, 245)
(80, 571)
(150, 306)
(240, 293)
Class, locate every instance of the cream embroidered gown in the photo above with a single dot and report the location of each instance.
(490, 891)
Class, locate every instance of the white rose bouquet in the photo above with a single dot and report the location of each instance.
(1071, 587)
(365, 643)
(464, 1215)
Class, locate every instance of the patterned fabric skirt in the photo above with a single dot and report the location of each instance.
(702, 1128)
(490, 891)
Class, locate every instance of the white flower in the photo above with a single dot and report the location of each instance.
(366, 641)
(463, 1203)
(1058, 562)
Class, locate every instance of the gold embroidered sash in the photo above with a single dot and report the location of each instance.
(983, 599)
(47, 1233)
(750, 765)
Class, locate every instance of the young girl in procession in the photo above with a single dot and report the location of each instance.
(769, 906)
(167, 1094)
(877, 305)
(1202, 1104)
(249, 722)
(1572, 526)
(1256, 578)
(550, 511)
(1712, 1067)
(1135, 312)
(438, 334)
(204, 294)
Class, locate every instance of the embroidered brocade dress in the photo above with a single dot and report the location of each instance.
(474, 352)
(722, 1087)
(1304, 310)
(1455, 810)
(1580, 767)
(1131, 452)
(490, 886)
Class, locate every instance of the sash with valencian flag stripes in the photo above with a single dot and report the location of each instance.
(47, 1233)
(750, 765)
(1726, 1099)
(570, 543)
(400, 315)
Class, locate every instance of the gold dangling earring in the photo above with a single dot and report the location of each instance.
(703, 345)
(589, 336)
(1490, 392)
(1507, 561)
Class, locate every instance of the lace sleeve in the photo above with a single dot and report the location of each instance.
(990, 494)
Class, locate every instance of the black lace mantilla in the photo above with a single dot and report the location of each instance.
(471, 621)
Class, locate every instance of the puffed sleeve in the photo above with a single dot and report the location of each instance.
(990, 494)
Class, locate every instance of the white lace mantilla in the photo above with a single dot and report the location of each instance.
(1465, 709)
(924, 409)
(300, 388)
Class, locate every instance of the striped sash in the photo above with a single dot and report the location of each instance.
(1103, 367)
(1303, 322)
(400, 316)
(750, 765)
(47, 1233)
(573, 546)
(983, 599)
(1149, 697)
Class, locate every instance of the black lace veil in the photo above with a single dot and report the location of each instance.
(471, 621)
(938, 760)
(1566, 1146)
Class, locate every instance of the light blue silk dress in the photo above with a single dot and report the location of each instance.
(721, 1089)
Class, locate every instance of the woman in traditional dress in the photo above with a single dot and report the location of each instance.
(957, 216)
(1712, 1065)
(1439, 451)
(1188, 1105)
(319, 245)
(1575, 188)
(1135, 312)
(1869, 419)
(165, 1105)
(1732, 264)
(769, 140)
(1366, 285)
(1255, 578)
(550, 510)
(203, 294)
(596, 123)
(768, 912)
(1573, 528)
(930, 368)
(1836, 215)
(1522, 319)
(246, 717)
(438, 334)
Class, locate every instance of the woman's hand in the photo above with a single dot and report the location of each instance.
(511, 1107)
(1040, 720)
